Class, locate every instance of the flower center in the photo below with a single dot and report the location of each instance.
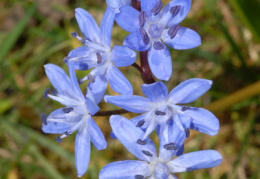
(155, 30)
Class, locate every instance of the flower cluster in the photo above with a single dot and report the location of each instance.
(153, 29)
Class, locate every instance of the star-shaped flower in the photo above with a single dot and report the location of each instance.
(161, 111)
(151, 166)
(76, 116)
(152, 28)
(97, 54)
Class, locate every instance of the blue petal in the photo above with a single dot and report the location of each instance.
(189, 90)
(99, 87)
(147, 5)
(160, 63)
(88, 25)
(128, 134)
(59, 79)
(116, 4)
(91, 106)
(156, 91)
(125, 170)
(161, 171)
(127, 19)
(96, 135)
(132, 103)
(184, 39)
(64, 121)
(203, 121)
(195, 160)
(82, 151)
(106, 27)
(118, 81)
(122, 56)
(79, 57)
(180, 151)
(167, 18)
(135, 42)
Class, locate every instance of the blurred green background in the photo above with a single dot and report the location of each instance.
(33, 33)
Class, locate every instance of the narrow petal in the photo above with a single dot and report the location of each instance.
(91, 106)
(122, 56)
(167, 16)
(184, 39)
(160, 63)
(59, 80)
(99, 87)
(96, 135)
(156, 91)
(118, 81)
(87, 25)
(189, 90)
(127, 19)
(106, 27)
(125, 170)
(132, 103)
(135, 42)
(203, 121)
(128, 134)
(195, 160)
(147, 5)
(82, 151)
(116, 4)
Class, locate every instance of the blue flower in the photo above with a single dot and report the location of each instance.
(98, 55)
(116, 4)
(162, 113)
(76, 116)
(152, 28)
(161, 167)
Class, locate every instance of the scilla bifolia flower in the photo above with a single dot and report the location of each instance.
(150, 165)
(76, 116)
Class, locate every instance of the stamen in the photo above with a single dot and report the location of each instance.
(91, 78)
(187, 131)
(185, 108)
(45, 94)
(156, 9)
(147, 153)
(44, 119)
(140, 123)
(67, 133)
(74, 34)
(67, 110)
(160, 113)
(80, 81)
(144, 36)
(65, 59)
(158, 45)
(174, 10)
(54, 92)
(99, 58)
(139, 177)
(83, 40)
(170, 146)
(58, 139)
(141, 142)
(189, 170)
(142, 18)
(173, 30)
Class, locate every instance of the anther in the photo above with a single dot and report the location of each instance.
(44, 119)
(91, 78)
(142, 18)
(158, 45)
(45, 94)
(175, 9)
(156, 9)
(189, 170)
(80, 81)
(160, 113)
(65, 59)
(74, 34)
(99, 58)
(187, 131)
(170, 146)
(173, 30)
(140, 123)
(67, 133)
(185, 108)
(141, 142)
(147, 153)
(139, 177)
(58, 139)
(67, 110)
(144, 36)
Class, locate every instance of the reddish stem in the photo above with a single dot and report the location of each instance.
(111, 112)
